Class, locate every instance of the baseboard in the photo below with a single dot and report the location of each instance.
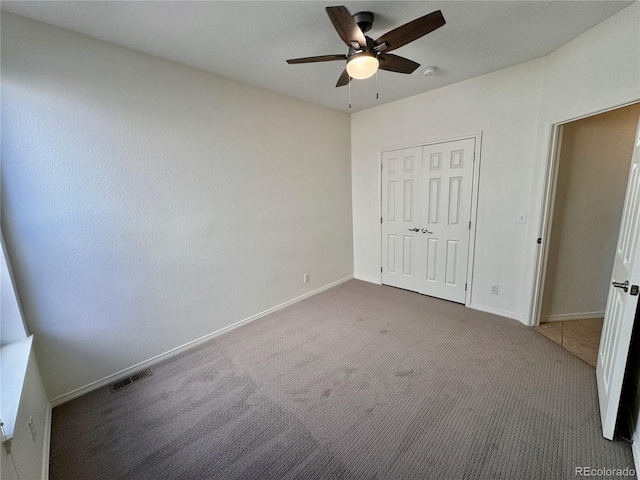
(572, 316)
(495, 311)
(367, 279)
(127, 372)
(47, 443)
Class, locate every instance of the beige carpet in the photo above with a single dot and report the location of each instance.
(361, 381)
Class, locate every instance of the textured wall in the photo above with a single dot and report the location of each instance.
(12, 326)
(147, 204)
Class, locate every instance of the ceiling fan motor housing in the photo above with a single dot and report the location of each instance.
(368, 48)
(364, 20)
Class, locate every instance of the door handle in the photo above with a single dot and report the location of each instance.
(414, 229)
(424, 230)
(624, 286)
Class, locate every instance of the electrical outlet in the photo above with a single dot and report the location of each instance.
(494, 289)
(305, 279)
(32, 427)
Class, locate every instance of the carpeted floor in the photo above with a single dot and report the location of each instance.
(358, 382)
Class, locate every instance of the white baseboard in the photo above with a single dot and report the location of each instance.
(367, 279)
(572, 316)
(47, 442)
(127, 372)
(495, 311)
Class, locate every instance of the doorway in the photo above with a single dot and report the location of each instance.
(592, 171)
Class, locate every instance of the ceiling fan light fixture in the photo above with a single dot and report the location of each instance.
(362, 65)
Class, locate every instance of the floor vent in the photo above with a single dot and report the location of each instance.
(125, 382)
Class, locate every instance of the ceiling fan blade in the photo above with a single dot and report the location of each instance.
(321, 58)
(344, 78)
(396, 63)
(411, 31)
(346, 26)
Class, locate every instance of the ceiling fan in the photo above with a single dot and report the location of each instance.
(366, 55)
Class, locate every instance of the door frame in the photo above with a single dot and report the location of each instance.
(475, 182)
(553, 140)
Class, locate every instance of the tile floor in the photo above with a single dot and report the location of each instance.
(580, 337)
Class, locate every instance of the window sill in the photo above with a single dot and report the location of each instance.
(14, 358)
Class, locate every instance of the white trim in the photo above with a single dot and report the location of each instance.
(379, 240)
(364, 278)
(59, 400)
(495, 311)
(573, 316)
(544, 228)
(473, 216)
(47, 442)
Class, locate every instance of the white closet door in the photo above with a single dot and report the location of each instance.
(445, 205)
(400, 217)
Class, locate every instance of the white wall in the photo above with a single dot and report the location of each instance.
(592, 180)
(513, 108)
(7, 469)
(147, 204)
(11, 323)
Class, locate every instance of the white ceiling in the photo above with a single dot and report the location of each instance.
(250, 41)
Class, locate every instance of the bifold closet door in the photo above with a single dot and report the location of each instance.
(426, 213)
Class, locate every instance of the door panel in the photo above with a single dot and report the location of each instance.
(434, 200)
(399, 215)
(406, 256)
(621, 305)
(408, 201)
(455, 190)
(445, 184)
(452, 262)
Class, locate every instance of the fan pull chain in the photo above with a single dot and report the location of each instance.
(349, 91)
(376, 84)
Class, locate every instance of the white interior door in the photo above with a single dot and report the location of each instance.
(621, 304)
(400, 217)
(445, 188)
